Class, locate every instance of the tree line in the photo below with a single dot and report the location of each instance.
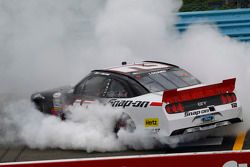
(203, 5)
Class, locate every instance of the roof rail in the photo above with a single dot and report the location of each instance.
(161, 63)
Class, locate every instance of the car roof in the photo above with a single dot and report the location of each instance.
(145, 66)
(130, 70)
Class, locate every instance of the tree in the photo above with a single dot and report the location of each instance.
(201, 5)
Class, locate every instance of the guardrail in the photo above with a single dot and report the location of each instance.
(234, 23)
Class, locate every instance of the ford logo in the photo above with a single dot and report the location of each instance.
(207, 118)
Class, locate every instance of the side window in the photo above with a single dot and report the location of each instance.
(94, 86)
(117, 90)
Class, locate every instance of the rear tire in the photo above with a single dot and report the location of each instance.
(124, 122)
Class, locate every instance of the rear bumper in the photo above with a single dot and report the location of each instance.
(223, 115)
(205, 127)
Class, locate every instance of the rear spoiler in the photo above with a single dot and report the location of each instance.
(175, 96)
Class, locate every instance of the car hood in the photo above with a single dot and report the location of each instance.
(49, 93)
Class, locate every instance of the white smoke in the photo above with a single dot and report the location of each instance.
(213, 57)
(87, 129)
(139, 29)
(45, 44)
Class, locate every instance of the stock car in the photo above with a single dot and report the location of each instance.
(154, 96)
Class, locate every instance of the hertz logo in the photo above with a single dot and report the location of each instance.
(151, 122)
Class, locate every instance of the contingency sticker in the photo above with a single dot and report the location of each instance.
(151, 122)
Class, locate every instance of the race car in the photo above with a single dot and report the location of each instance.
(153, 96)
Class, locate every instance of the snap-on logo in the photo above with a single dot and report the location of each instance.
(196, 113)
(128, 103)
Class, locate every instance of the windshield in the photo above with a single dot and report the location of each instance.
(166, 79)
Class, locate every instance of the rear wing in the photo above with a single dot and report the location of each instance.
(175, 96)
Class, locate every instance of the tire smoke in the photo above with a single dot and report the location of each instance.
(46, 44)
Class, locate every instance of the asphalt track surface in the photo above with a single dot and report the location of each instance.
(22, 153)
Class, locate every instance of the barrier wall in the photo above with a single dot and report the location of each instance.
(234, 23)
(212, 159)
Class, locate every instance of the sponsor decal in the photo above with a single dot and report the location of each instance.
(128, 103)
(156, 72)
(207, 118)
(151, 122)
(156, 130)
(198, 112)
(234, 105)
(202, 103)
(234, 164)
